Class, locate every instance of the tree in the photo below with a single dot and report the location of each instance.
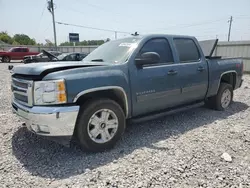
(24, 39)
(83, 43)
(6, 38)
(66, 44)
(15, 43)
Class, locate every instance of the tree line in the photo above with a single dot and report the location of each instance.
(22, 39)
(17, 39)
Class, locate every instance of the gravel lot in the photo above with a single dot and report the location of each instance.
(182, 150)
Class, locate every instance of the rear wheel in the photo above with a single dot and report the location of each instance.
(100, 125)
(223, 98)
(6, 59)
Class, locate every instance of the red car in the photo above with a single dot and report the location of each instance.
(16, 53)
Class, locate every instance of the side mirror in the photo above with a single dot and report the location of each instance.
(147, 58)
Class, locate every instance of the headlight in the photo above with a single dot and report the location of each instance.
(49, 92)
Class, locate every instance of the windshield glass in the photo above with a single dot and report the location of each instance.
(116, 51)
(60, 57)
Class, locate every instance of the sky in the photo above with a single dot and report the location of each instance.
(207, 19)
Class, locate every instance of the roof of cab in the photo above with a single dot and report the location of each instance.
(149, 36)
(166, 35)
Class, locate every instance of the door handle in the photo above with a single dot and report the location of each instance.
(201, 69)
(172, 72)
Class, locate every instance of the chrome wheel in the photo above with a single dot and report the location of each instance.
(102, 126)
(226, 98)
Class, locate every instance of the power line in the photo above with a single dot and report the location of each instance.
(99, 7)
(192, 25)
(42, 14)
(95, 28)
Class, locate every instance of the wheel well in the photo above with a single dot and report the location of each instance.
(229, 78)
(113, 94)
(4, 57)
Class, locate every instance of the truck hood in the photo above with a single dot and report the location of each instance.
(45, 68)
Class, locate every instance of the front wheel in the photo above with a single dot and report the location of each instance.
(223, 98)
(100, 124)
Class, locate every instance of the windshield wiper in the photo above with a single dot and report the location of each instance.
(100, 60)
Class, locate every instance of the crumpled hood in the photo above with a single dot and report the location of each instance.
(40, 68)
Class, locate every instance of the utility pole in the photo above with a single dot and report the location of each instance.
(115, 34)
(51, 9)
(230, 25)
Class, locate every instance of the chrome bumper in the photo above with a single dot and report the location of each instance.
(48, 121)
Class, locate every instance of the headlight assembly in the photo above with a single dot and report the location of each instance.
(49, 92)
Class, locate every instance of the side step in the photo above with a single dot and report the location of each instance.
(165, 113)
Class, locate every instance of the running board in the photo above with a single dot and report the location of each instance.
(168, 112)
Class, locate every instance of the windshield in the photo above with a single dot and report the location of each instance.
(116, 51)
(60, 57)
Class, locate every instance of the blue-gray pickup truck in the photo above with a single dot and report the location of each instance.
(135, 78)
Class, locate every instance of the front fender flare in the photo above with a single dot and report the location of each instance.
(125, 97)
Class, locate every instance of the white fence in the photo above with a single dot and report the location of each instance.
(86, 49)
(224, 49)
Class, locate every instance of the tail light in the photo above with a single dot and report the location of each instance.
(240, 65)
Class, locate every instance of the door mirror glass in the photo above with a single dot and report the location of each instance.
(147, 58)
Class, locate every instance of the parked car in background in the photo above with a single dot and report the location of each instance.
(136, 78)
(16, 53)
(74, 56)
(44, 56)
(52, 57)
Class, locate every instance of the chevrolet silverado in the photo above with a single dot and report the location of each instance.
(134, 78)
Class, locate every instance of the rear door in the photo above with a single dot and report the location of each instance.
(193, 70)
(156, 86)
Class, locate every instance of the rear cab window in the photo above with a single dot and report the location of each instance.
(16, 50)
(186, 50)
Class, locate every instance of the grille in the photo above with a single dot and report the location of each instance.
(22, 91)
(21, 97)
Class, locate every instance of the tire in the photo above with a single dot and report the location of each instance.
(6, 59)
(86, 126)
(216, 102)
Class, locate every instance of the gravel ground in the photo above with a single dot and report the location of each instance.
(182, 150)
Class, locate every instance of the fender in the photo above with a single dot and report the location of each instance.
(102, 89)
(231, 71)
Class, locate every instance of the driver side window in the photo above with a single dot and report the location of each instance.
(160, 46)
(70, 57)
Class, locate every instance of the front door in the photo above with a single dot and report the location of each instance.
(157, 86)
(16, 54)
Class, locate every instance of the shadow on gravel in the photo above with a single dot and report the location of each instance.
(48, 159)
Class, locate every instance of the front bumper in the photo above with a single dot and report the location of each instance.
(48, 121)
